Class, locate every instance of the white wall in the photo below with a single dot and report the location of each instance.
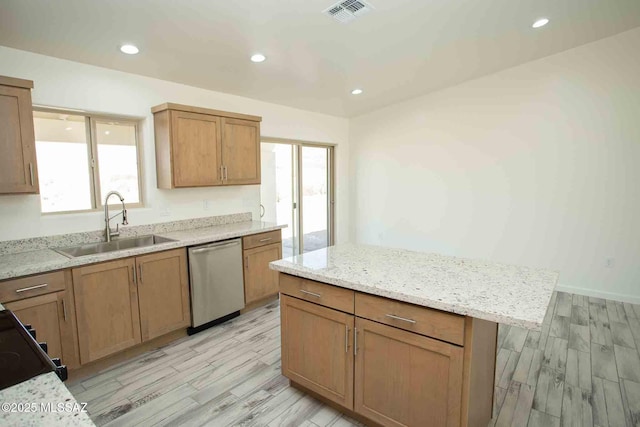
(62, 83)
(536, 165)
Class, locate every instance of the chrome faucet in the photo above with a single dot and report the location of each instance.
(108, 233)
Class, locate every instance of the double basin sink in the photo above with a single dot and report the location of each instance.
(112, 246)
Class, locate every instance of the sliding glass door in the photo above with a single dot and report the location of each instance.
(297, 190)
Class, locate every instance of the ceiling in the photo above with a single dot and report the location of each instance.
(402, 49)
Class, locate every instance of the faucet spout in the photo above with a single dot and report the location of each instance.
(108, 233)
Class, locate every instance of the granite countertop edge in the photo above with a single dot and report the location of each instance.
(43, 389)
(285, 266)
(183, 238)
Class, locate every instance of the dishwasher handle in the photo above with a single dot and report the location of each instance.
(214, 247)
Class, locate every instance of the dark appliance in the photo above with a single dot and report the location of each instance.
(21, 356)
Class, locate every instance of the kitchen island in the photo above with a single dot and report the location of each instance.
(402, 338)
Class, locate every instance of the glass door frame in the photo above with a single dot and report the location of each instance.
(296, 163)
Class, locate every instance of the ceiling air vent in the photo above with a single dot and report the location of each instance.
(348, 10)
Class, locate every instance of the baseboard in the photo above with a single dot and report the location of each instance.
(633, 299)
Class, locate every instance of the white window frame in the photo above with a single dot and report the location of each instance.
(92, 152)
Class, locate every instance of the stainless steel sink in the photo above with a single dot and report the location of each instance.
(114, 245)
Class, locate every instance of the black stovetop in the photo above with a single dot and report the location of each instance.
(21, 358)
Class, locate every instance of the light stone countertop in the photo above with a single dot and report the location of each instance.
(37, 261)
(39, 392)
(513, 295)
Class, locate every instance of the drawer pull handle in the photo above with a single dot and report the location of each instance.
(404, 319)
(64, 311)
(313, 294)
(30, 288)
(31, 173)
(355, 341)
(267, 239)
(346, 339)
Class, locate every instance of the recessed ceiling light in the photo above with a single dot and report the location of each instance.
(129, 49)
(258, 57)
(540, 23)
(356, 92)
(68, 128)
(106, 132)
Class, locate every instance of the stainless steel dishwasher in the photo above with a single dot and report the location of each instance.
(217, 287)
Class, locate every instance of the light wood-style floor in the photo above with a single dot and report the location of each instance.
(582, 369)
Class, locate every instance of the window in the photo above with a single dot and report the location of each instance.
(83, 157)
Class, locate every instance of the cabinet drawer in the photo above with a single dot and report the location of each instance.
(316, 292)
(425, 321)
(17, 289)
(261, 239)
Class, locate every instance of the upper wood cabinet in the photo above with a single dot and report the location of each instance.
(200, 147)
(241, 151)
(18, 169)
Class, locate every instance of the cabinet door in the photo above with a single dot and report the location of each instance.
(241, 151)
(316, 349)
(107, 314)
(259, 280)
(18, 172)
(405, 379)
(47, 315)
(163, 293)
(196, 149)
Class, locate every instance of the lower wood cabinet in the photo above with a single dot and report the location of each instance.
(47, 315)
(258, 250)
(163, 293)
(431, 369)
(45, 302)
(405, 379)
(122, 303)
(260, 281)
(316, 349)
(106, 308)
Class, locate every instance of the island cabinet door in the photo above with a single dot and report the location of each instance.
(316, 349)
(406, 379)
(107, 311)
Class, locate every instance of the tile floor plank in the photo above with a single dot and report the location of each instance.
(603, 362)
(598, 403)
(615, 410)
(632, 391)
(579, 337)
(571, 407)
(521, 373)
(563, 304)
(622, 335)
(515, 339)
(628, 363)
(560, 327)
(541, 419)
